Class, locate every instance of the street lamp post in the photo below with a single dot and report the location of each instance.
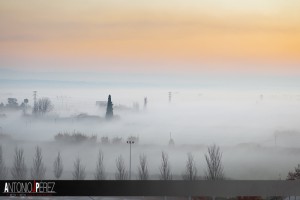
(130, 142)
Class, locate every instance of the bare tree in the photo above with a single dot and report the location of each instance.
(79, 170)
(100, 172)
(58, 166)
(190, 169)
(214, 163)
(121, 173)
(3, 169)
(143, 168)
(165, 168)
(42, 106)
(38, 170)
(294, 175)
(19, 169)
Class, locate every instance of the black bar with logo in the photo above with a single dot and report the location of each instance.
(223, 188)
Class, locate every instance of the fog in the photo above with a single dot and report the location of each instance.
(251, 127)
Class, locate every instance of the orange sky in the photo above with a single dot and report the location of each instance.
(205, 31)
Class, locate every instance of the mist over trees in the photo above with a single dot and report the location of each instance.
(100, 171)
(38, 170)
(165, 168)
(42, 106)
(3, 169)
(213, 160)
(19, 169)
(79, 170)
(24, 106)
(190, 173)
(74, 137)
(121, 173)
(12, 103)
(143, 168)
(58, 166)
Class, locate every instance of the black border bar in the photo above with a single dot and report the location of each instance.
(223, 188)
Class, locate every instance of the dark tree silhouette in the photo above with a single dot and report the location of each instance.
(121, 173)
(42, 106)
(58, 166)
(19, 169)
(165, 169)
(294, 175)
(12, 103)
(38, 170)
(3, 169)
(190, 173)
(79, 170)
(214, 163)
(100, 172)
(109, 109)
(291, 176)
(24, 106)
(145, 103)
(143, 168)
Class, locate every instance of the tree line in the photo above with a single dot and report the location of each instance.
(40, 107)
(19, 170)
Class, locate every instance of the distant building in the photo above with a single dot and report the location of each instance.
(101, 103)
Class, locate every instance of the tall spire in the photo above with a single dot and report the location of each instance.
(109, 109)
